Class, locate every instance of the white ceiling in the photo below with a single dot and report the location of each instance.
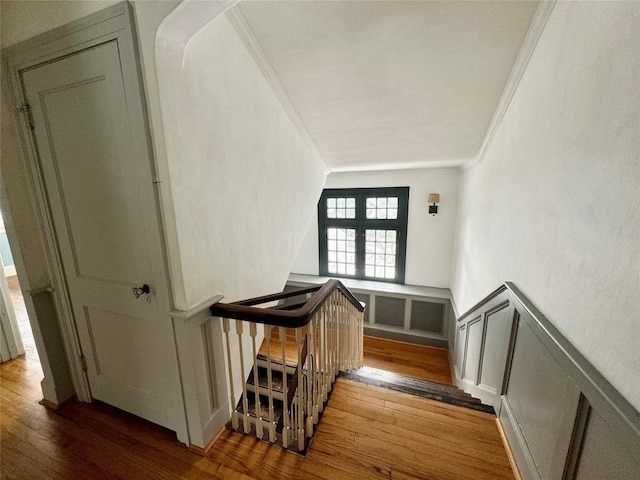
(392, 84)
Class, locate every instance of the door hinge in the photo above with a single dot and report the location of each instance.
(26, 109)
(83, 362)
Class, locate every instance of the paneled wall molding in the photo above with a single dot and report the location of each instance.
(200, 350)
(561, 417)
(408, 313)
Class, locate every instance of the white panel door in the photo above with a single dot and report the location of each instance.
(102, 204)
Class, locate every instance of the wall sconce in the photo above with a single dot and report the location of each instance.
(434, 198)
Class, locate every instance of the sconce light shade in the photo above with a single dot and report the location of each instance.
(434, 199)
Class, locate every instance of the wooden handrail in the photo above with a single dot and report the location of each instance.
(246, 309)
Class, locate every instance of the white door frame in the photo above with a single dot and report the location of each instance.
(112, 23)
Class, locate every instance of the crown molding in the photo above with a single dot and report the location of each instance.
(524, 56)
(248, 38)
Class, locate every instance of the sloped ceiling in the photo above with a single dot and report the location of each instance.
(391, 84)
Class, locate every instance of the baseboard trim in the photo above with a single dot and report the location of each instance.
(517, 444)
(405, 337)
(507, 448)
(203, 451)
(54, 406)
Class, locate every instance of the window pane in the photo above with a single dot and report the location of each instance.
(351, 203)
(331, 203)
(341, 202)
(382, 208)
(340, 212)
(384, 263)
(370, 235)
(341, 257)
(331, 213)
(351, 213)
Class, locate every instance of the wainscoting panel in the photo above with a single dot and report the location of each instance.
(390, 311)
(496, 342)
(408, 313)
(473, 349)
(603, 456)
(460, 348)
(543, 400)
(202, 371)
(428, 316)
(561, 418)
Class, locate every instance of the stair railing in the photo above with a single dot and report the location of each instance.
(305, 345)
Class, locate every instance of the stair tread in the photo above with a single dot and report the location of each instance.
(291, 352)
(417, 386)
(264, 407)
(263, 381)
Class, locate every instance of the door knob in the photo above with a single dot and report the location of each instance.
(139, 291)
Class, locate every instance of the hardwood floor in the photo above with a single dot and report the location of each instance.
(428, 363)
(23, 320)
(366, 433)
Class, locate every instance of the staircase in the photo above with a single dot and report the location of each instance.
(305, 347)
(276, 386)
(292, 374)
(440, 392)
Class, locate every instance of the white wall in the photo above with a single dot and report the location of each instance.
(554, 206)
(243, 182)
(21, 19)
(430, 238)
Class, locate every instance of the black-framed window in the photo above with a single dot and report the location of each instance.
(362, 233)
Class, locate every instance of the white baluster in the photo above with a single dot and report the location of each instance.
(253, 331)
(234, 413)
(272, 424)
(285, 406)
(301, 390)
(310, 378)
(245, 401)
(323, 355)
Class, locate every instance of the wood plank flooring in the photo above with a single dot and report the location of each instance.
(366, 433)
(428, 363)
